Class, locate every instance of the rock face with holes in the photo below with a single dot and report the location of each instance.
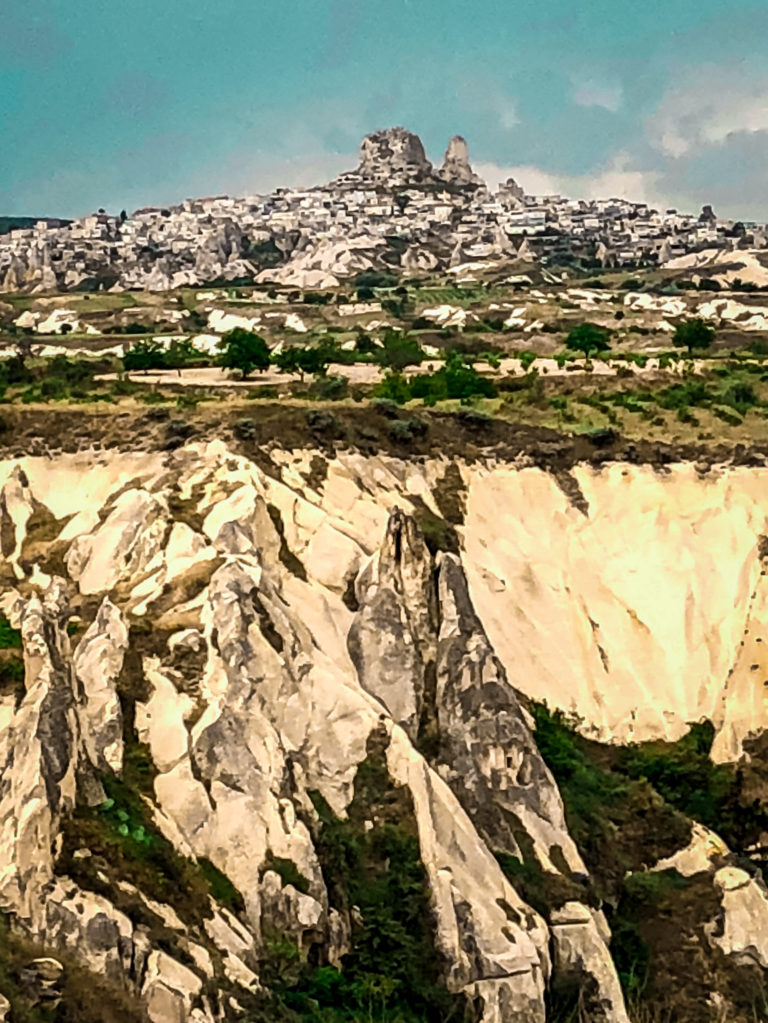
(456, 167)
(394, 156)
(232, 672)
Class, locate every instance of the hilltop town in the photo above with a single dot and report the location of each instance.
(394, 212)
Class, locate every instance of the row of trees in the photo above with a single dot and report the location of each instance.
(589, 338)
(246, 352)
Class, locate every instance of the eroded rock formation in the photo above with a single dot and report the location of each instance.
(232, 672)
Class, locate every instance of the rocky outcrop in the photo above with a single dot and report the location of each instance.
(98, 663)
(456, 168)
(392, 639)
(39, 744)
(394, 157)
(265, 663)
(419, 647)
(511, 194)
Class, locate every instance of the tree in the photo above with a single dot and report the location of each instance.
(180, 353)
(588, 338)
(375, 279)
(144, 355)
(302, 360)
(695, 333)
(244, 351)
(398, 351)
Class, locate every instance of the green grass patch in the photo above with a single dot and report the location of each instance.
(618, 822)
(126, 844)
(287, 870)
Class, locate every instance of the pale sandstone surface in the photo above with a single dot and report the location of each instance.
(665, 567)
(630, 615)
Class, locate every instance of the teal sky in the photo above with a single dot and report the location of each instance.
(150, 101)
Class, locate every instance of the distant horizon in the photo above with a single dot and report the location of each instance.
(492, 174)
(121, 107)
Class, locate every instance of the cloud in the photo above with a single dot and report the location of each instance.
(506, 111)
(705, 141)
(708, 109)
(619, 179)
(592, 93)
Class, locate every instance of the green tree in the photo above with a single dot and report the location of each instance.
(244, 351)
(588, 338)
(398, 350)
(695, 333)
(180, 353)
(302, 360)
(144, 355)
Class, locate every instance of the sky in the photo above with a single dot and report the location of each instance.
(147, 102)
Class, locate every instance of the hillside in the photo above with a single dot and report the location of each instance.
(300, 728)
(383, 640)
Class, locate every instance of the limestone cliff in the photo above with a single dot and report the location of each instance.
(274, 730)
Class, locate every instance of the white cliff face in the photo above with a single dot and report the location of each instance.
(40, 750)
(665, 567)
(632, 615)
(285, 623)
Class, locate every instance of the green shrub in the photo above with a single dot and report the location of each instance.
(759, 346)
(287, 870)
(53, 387)
(143, 356)
(326, 388)
(320, 421)
(456, 379)
(393, 387)
(398, 350)
(221, 888)
(727, 415)
(683, 773)
(644, 894)
(406, 430)
(244, 429)
(375, 279)
(12, 675)
(741, 396)
(301, 359)
(603, 805)
(385, 407)
(9, 637)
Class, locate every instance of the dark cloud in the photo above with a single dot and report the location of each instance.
(732, 175)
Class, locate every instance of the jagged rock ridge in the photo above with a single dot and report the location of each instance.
(244, 642)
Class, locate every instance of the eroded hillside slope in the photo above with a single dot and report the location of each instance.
(271, 754)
